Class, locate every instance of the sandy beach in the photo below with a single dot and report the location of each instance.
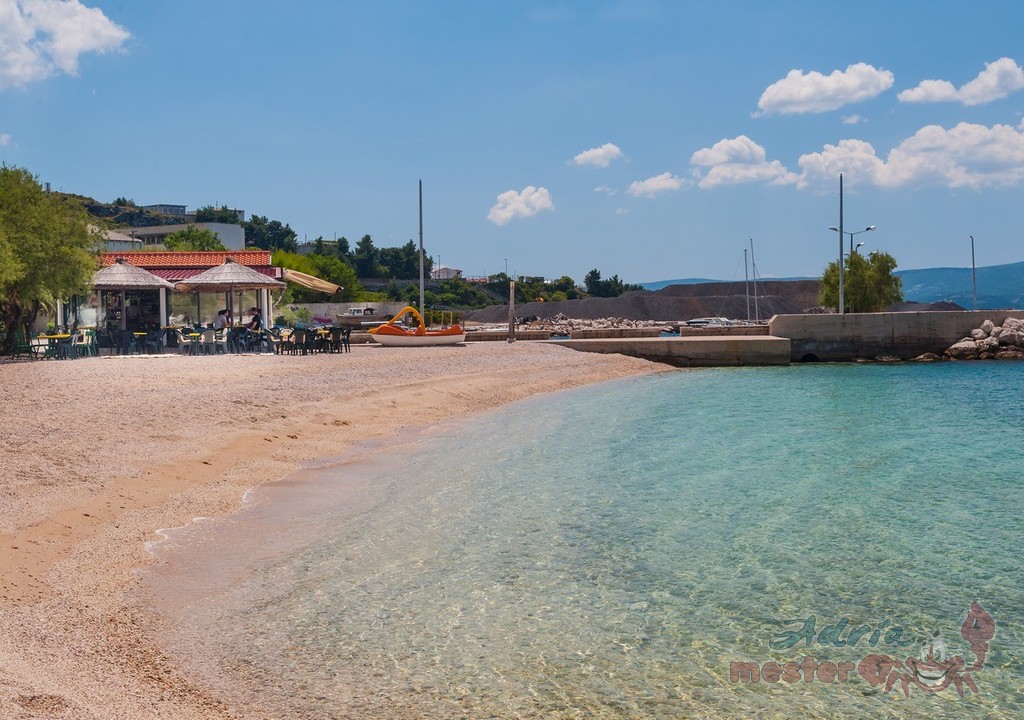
(100, 453)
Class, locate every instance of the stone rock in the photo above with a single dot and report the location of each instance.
(989, 344)
(1010, 354)
(963, 350)
(888, 359)
(926, 357)
(979, 334)
(1008, 337)
(1012, 324)
(986, 356)
(987, 326)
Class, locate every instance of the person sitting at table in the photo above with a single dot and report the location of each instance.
(222, 320)
(256, 321)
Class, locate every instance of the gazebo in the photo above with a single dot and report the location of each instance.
(126, 289)
(229, 277)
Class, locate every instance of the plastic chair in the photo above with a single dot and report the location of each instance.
(155, 340)
(185, 343)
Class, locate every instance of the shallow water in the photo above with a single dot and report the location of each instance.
(610, 552)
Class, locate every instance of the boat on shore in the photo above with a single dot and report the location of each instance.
(393, 333)
(360, 318)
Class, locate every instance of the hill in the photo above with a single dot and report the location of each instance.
(999, 286)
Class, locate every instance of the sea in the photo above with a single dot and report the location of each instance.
(794, 542)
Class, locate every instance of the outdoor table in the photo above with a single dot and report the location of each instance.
(59, 346)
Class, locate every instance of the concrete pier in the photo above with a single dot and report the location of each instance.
(841, 338)
(694, 351)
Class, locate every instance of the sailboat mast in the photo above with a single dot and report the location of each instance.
(421, 249)
(753, 268)
(746, 282)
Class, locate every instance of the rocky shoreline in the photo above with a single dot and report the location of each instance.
(991, 342)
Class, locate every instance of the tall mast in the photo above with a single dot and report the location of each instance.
(746, 282)
(753, 269)
(421, 249)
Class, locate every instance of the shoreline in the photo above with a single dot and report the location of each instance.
(100, 453)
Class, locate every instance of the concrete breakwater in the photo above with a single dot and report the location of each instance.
(869, 336)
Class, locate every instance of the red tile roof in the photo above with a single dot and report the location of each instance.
(199, 260)
(177, 274)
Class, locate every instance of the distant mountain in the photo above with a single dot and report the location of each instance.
(999, 286)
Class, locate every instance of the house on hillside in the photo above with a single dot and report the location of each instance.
(232, 236)
(443, 272)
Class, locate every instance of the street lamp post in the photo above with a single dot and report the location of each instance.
(974, 276)
(853, 249)
(842, 242)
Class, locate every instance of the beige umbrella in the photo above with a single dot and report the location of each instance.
(122, 275)
(227, 278)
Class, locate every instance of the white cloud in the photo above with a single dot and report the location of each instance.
(621, 211)
(814, 92)
(605, 190)
(599, 156)
(996, 81)
(5, 139)
(512, 204)
(655, 185)
(39, 38)
(853, 120)
(856, 159)
(738, 160)
(968, 155)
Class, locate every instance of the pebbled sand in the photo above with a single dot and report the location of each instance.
(99, 453)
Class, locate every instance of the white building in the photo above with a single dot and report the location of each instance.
(233, 236)
(443, 272)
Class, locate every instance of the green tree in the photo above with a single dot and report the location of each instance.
(870, 284)
(193, 238)
(612, 287)
(403, 263)
(344, 252)
(47, 250)
(222, 214)
(367, 259)
(269, 234)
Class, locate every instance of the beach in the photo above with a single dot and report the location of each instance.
(100, 453)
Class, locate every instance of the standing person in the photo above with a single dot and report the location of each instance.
(256, 321)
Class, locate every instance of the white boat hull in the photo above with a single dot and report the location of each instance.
(418, 340)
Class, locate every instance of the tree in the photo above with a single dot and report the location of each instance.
(403, 263)
(222, 214)
(612, 287)
(193, 238)
(344, 252)
(47, 250)
(870, 284)
(269, 234)
(367, 259)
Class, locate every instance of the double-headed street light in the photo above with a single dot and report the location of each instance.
(869, 228)
(853, 249)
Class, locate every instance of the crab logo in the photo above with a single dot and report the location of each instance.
(934, 671)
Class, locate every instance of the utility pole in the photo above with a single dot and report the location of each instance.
(974, 276)
(842, 274)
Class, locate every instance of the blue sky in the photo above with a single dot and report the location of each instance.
(648, 139)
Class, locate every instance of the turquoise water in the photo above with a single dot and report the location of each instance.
(610, 552)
